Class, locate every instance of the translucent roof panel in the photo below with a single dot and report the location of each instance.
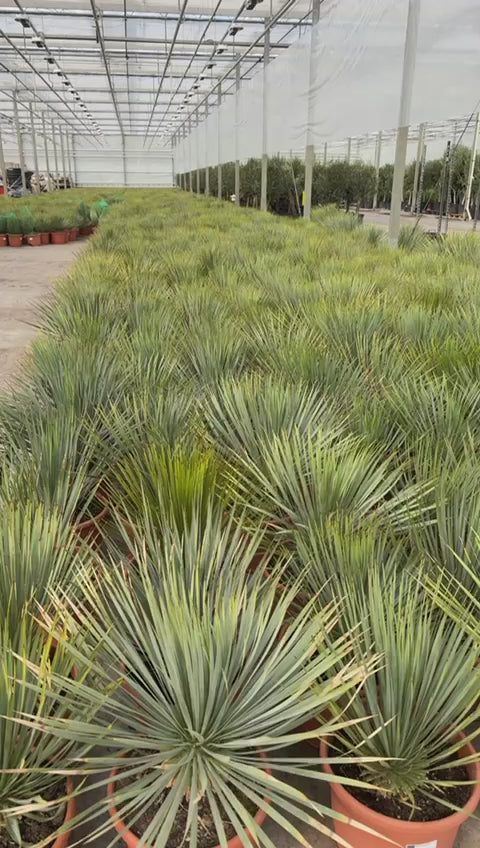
(100, 67)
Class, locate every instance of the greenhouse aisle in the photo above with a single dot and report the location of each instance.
(26, 275)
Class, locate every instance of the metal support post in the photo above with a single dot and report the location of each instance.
(378, 156)
(55, 155)
(3, 170)
(409, 60)
(71, 159)
(219, 147)
(349, 150)
(237, 123)
(264, 174)
(309, 148)
(47, 163)
(421, 181)
(418, 163)
(471, 171)
(34, 146)
(19, 141)
(325, 153)
(62, 151)
(444, 179)
(197, 121)
(124, 161)
(207, 167)
(451, 165)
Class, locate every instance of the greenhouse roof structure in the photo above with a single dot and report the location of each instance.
(136, 67)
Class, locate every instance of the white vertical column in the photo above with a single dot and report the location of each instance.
(3, 170)
(471, 170)
(34, 146)
(237, 130)
(19, 140)
(349, 150)
(418, 164)
(55, 155)
(325, 153)
(207, 166)
(378, 155)
(264, 174)
(64, 166)
(309, 148)
(219, 144)
(409, 61)
(47, 162)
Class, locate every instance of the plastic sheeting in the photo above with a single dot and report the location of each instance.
(343, 79)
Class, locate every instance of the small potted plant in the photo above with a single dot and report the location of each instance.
(37, 802)
(414, 715)
(14, 230)
(42, 226)
(3, 231)
(59, 233)
(83, 217)
(73, 229)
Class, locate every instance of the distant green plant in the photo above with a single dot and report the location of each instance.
(83, 213)
(3, 223)
(57, 224)
(14, 225)
(27, 221)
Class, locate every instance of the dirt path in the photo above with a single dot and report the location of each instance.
(26, 276)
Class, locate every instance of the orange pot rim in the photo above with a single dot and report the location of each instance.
(132, 841)
(62, 840)
(379, 822)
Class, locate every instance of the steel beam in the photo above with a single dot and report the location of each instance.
(471, 170)
(264, 173)
(55, 156)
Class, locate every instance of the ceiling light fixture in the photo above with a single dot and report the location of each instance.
(38, 40)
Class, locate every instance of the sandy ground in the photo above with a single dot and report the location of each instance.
(26, 276)
(427, 222)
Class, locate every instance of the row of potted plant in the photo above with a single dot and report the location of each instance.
(24, 228)
(239, 488)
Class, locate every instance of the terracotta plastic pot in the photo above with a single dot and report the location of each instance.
(34, 239)
(90, 530)
(15, 239)
(3, 240)
(62, 840)
(73, 233)
(132, 841)
(59, 237)
(86, 230)
(435, 834)
(45, 237)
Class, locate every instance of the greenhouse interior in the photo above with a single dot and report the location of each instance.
(240, 424)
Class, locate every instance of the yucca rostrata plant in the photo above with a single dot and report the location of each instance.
(215, 683)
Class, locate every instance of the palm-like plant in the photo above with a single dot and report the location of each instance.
(417, 710)
(242, 414)
(217, 684)
(168, 486)
(38, 552)
(304, 479)
(53, 457)
(27, 661)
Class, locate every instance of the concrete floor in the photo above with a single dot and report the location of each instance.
(427, 222)
(26, 276)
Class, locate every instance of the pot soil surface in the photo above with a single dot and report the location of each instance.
(425, 809)
(34, 831)
(207, 834)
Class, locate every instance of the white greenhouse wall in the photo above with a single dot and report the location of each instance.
(100, 164)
